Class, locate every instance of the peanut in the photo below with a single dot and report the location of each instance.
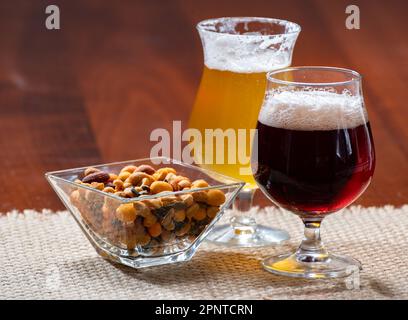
(152, 203)
(215, 197)
(118, 183)
(169, 200)
(179, 215)
(187, 199)
(112, 177)
(141, 236)
(149, 220)
(144, 240)
(185, 183)
(123, 175)
(200, 196)
(170, 176)
(160, 186)
(141, 209)
(163, 172)
(129, 168)
(192, 210)
(212, 212)
(199, 184)
(97, 185)
(126, 212)
(178, 182)
(200, 214)
(75, 197)
(128, 192)
(155, 230)
(108, 190)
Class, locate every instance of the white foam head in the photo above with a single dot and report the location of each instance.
(312, 110)
(248, 52)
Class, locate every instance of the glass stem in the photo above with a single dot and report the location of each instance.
(242, 222)
(312, 249)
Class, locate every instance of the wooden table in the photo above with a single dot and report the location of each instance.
(93, 91)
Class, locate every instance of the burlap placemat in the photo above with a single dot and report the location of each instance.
(45, 255)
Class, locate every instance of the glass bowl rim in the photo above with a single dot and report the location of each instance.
(297, 28)
(234, 182)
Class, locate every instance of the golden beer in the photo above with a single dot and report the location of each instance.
(225, 100)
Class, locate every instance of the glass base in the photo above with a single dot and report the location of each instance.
(332, 266)
(244, 232)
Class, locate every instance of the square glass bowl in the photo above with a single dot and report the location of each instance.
(130, 243)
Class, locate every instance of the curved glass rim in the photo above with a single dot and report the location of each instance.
(355, 76)
(200, 26)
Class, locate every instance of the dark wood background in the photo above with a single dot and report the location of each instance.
(93, 91)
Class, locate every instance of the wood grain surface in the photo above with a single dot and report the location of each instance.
(93, 91)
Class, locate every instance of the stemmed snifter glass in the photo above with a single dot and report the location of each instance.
(315, 157)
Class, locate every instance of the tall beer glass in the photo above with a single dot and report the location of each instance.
(237, 54)
(316, 156)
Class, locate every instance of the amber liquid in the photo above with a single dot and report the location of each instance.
(229, 100)
(314, 172)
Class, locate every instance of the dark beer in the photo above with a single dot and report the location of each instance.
(313, 171)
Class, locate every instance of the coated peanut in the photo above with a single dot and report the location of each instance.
(215, 197)
(129, 168)
(141, 209)
(200, 196)
(212, 212)
(199, 184)
(149, 220)
(118, 183)
(126, 212)
(187, 199)
(155, 230)
(160, 186)
(179, 215)
(200, 214)
(192, 210)
(108, 190)
(124, 175)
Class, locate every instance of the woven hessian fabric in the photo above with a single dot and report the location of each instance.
(44, 255)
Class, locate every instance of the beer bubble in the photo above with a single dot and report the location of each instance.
(312, 110)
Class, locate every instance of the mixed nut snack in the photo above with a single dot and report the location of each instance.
(147, 223)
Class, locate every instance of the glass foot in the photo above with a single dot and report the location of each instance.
(244, 232)
(291, 265)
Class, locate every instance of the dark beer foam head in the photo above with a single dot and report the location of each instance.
(312, 110)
